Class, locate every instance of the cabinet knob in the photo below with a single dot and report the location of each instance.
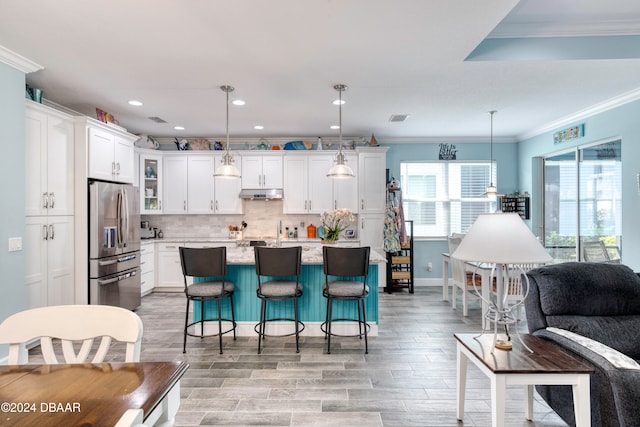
(52, 233)
(184, 205)
(45, 232)
(52, 200)
(45, 201)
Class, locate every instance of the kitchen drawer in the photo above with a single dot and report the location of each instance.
(147, 261)
(147, 282)
(169, 247)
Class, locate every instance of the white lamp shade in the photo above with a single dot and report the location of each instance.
(227, 169)
(340, 170)
(501, 238)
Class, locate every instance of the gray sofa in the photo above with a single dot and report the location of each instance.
(602, 303)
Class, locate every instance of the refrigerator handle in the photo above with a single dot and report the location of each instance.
(125, 219)
(119, 218)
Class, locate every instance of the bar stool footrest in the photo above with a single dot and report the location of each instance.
(256, 328)
(231, 329)
(323, 327)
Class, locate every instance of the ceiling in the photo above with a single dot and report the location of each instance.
(535, 61)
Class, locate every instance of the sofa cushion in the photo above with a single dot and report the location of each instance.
(587, 289)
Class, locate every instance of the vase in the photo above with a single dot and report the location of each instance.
(328, 242)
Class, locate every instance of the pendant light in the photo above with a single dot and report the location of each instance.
(340, 169)
(227, 170)
(492, 191)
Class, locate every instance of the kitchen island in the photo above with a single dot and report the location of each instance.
(312, 305)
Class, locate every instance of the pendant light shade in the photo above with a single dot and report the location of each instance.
(340, 169)
(227, 169)
(492, 190)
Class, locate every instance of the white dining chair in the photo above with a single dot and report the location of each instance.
(460, 277)
(79, 324)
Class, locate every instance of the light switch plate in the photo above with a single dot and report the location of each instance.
(15, 244)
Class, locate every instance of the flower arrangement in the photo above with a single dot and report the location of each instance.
(335, 223)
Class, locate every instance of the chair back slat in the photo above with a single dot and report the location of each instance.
(72, 324)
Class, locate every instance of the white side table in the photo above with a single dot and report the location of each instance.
(548, 365)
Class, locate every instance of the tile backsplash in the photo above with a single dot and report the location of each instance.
(261, 217)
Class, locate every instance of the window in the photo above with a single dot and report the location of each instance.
(443, 198)
(583, 201)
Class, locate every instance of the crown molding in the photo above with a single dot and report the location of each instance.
(622, 27)
(601, 107)
(18, 62)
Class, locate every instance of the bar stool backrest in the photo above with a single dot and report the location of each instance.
(203, 262)
(278, 262)
(346, 262)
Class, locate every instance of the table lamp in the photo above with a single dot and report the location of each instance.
(501, 239)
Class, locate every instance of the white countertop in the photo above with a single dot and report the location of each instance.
(310, 255)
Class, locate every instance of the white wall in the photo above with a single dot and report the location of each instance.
(12, 188)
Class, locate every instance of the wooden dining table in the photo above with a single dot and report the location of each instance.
(90, 394)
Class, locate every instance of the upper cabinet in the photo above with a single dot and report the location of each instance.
(110, 153)
(262, 171)
(372, 186)
(49, 165)
(345, 191)
(175, 184)
(227, 191)
(307, 189)
(189, 186)
(150, 183)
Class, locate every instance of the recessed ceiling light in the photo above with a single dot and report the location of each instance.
(338, 102)
(178, 127)
(135, 103)
(258, 127)
(335, 127)
(238, 102)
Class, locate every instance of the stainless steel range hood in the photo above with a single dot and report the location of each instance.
(262, 194)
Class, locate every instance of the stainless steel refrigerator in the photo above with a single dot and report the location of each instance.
(114, 244)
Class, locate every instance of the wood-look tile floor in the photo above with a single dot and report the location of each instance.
(407, 379)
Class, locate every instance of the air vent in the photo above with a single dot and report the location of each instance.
(398, 117)
(157, 120)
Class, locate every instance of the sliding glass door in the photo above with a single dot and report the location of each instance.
(582, 203)
(600, 201)
(560, 205)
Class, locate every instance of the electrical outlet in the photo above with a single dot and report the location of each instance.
(429, 266)
(15, 244)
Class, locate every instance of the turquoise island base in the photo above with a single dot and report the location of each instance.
(312, 305)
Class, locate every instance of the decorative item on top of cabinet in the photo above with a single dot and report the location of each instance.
(516, 203)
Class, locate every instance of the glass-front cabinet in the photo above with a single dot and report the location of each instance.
(150, 183)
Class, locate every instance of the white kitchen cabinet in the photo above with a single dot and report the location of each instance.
(345, 191)
(371, 231)
(372, 186)
(174, 183)
(190, 187)
(49, 261)
(150, 179)
(49, 166)
(227, 190)
(262, 171)
(147, 267)
(169, 271)
(111, 155)
(307, 189)
(200, 184)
